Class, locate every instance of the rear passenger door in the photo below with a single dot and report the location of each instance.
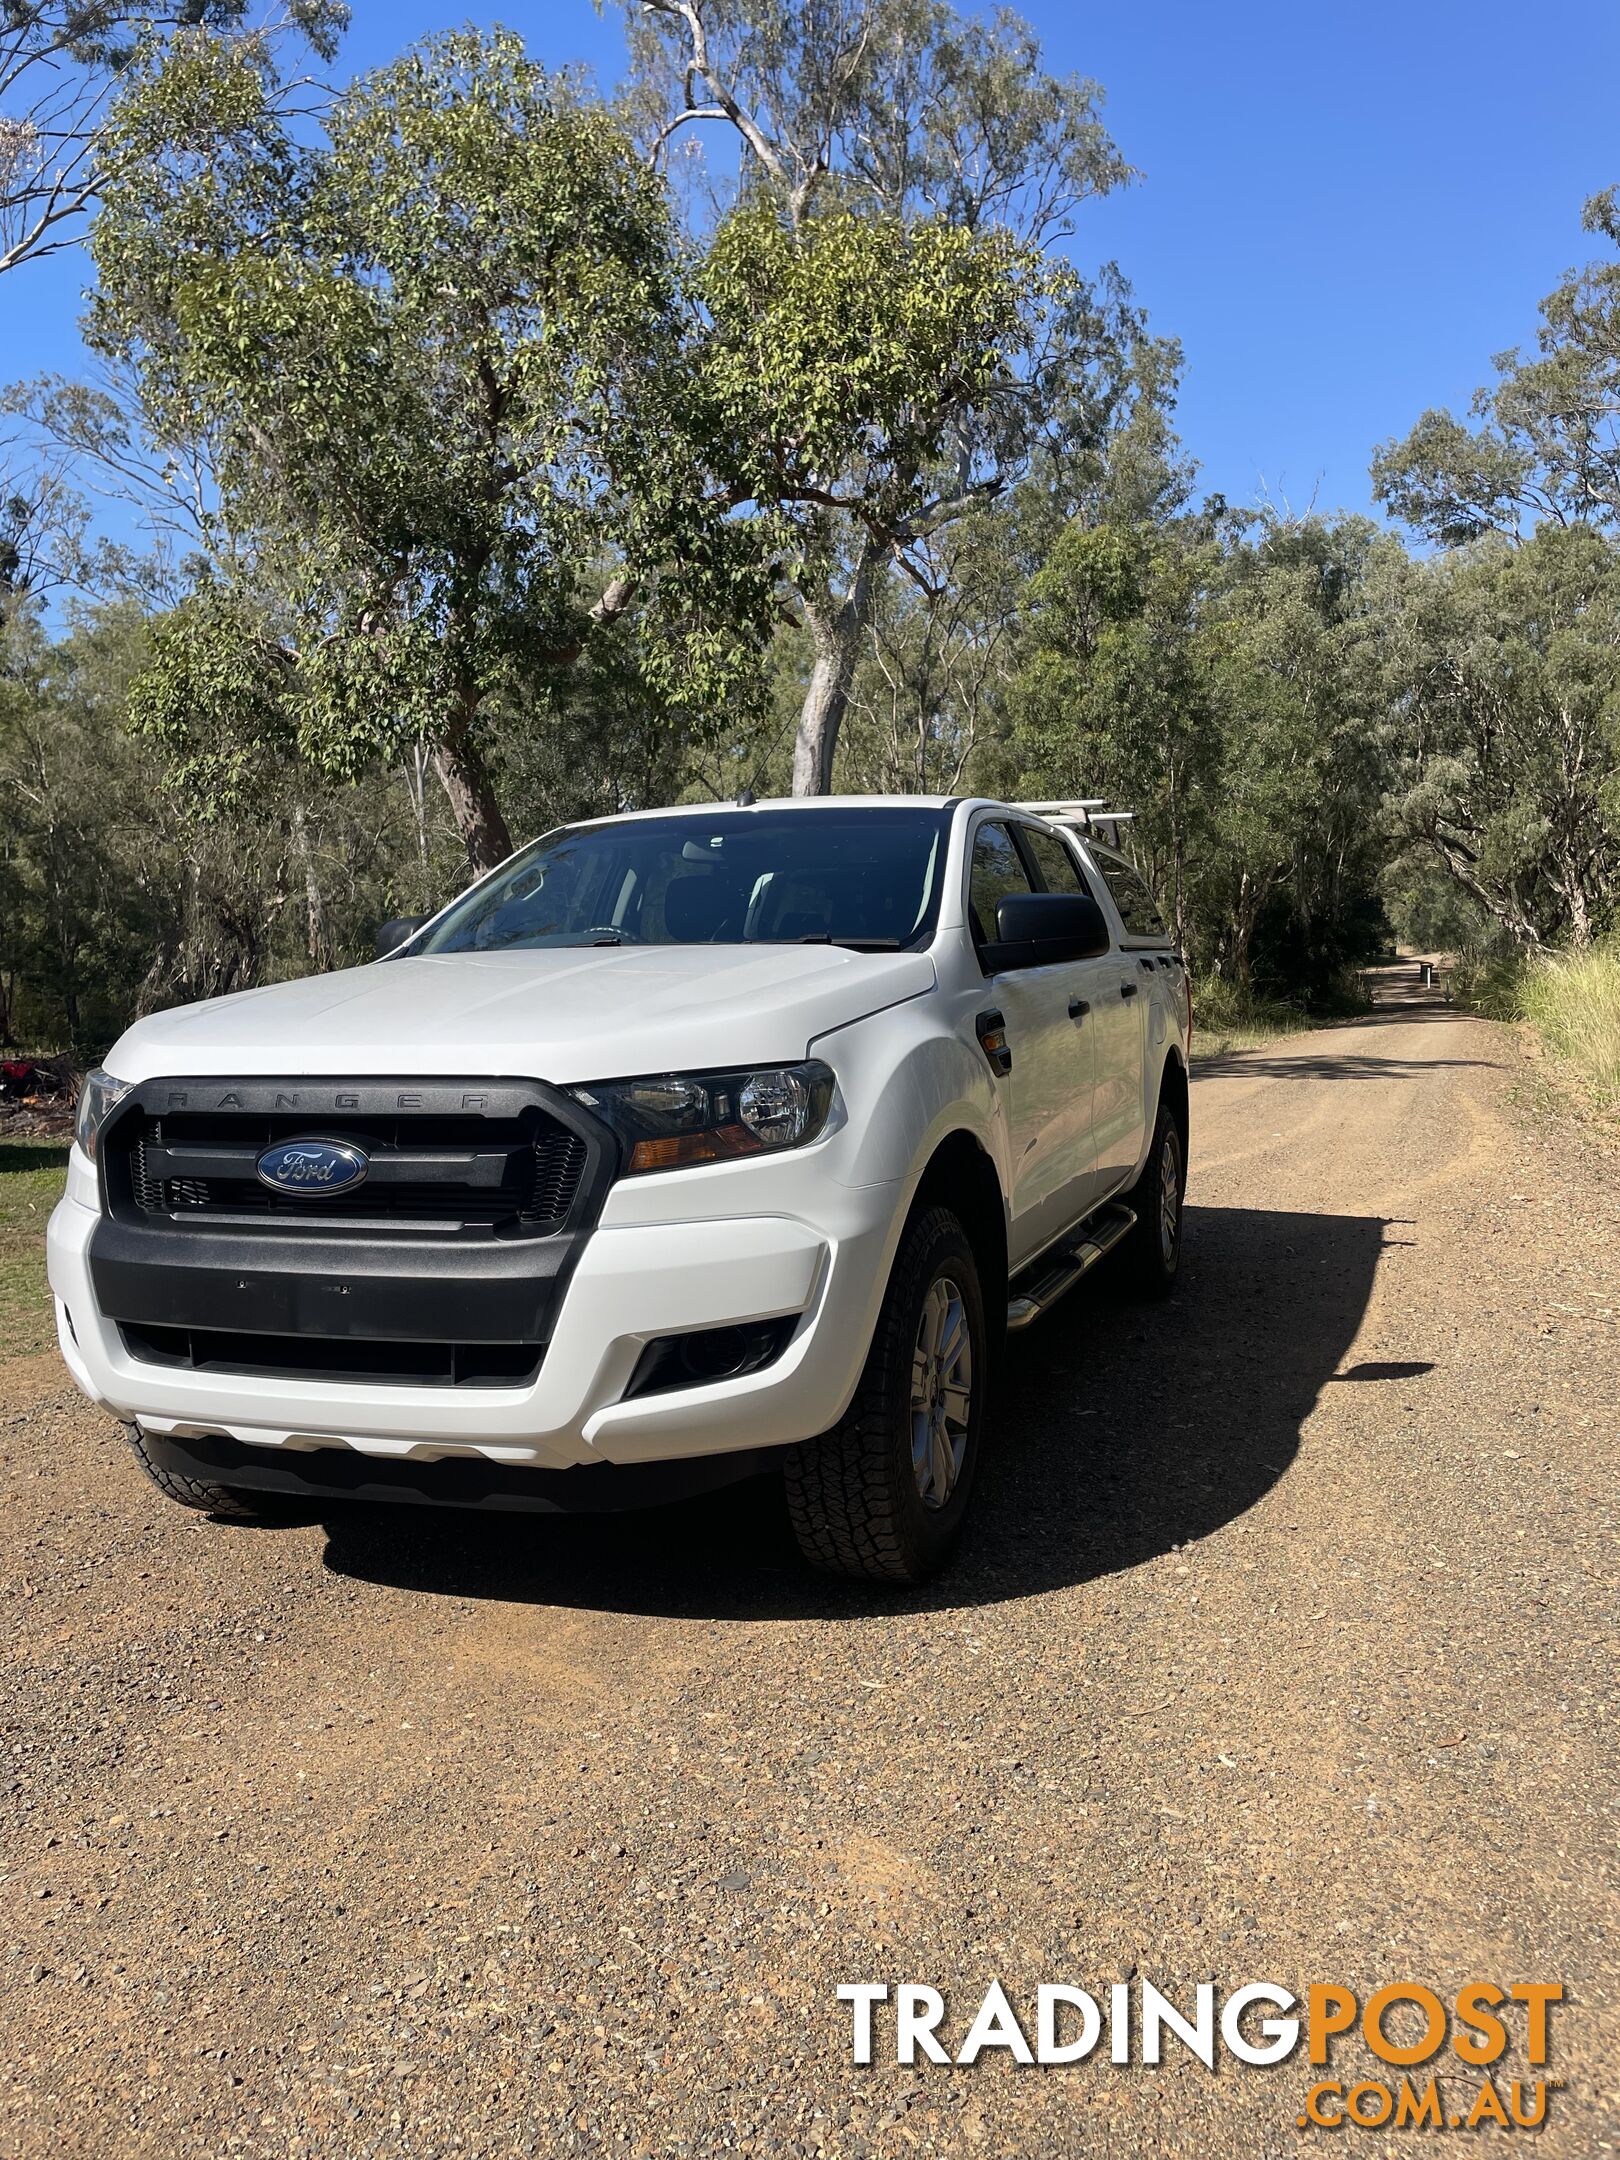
(1091, 993)
(1122, 1042)
(1046, 1093)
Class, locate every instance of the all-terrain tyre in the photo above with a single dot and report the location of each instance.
(883, 1494)
(1150, 1253)
(202, 1494)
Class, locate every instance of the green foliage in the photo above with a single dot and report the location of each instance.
(1500, 660)
(440, 359)
(1502, 665)
(57, 57)
(480, 473)
(77, 927)
(893, 340)
(1545, 442)
(1573, 1000)
(1429, 910)
(210, 660)
(896, 107)
(926, 699)
(1231, 1016)
(843, 353)
(1215, 680)
(1490, 981)
(113, 907)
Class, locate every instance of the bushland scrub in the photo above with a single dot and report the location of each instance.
(1572, 1000)
(1229, 1016)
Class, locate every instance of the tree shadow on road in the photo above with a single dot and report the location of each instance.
(1290, 1060)
(1122, 1430)
(1326, 1065)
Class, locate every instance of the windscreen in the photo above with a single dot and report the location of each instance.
(863, 877)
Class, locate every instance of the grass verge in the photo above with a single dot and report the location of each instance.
(1225, 1019)
(1572, 1000)
(31, 1175)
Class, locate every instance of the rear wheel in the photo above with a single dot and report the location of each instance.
(1150, 1254)
(883, 1494)
(204, 1495)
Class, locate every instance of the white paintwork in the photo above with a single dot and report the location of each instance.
(809, 1233)
(593, 1013)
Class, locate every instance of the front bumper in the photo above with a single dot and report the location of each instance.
(821, 1261)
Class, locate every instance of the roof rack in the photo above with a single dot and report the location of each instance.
(1090, 814)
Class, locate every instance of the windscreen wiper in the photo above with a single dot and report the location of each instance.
(851, 944)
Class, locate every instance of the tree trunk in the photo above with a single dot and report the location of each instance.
(416, 786)
(836, 627)
(1580, 915)
(314, 911)
(465, 776)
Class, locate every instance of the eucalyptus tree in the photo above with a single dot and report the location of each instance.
(1542, 443)
(1503, 652)
(61, 62)
(1217, 674)
(440, 358)
(927, 693)
(1113, 696)
(1502, 676)
(891, 327)
(111, 905)
(1288, 874)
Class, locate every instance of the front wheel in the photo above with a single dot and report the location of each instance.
(203, 1495)
(883, 1494)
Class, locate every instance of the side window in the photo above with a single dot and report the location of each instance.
(1137, 909)
(998, 868)
(1059, 872)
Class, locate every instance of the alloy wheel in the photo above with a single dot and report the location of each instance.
(1169, 1199)
(941, 1392)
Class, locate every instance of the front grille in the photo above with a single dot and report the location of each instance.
(314, 1357)
(536, 1185)
(513, 1169)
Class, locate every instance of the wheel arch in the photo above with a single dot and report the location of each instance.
(1174, 1092)
(961, 1174)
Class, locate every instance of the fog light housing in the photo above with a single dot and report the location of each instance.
(705, 1355)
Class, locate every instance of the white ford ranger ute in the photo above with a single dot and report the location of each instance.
(683, 1143)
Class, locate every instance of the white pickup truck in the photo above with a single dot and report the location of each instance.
(683, 1143)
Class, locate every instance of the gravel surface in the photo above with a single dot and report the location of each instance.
(1283, 1649)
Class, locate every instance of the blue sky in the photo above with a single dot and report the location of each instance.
(1343, 211)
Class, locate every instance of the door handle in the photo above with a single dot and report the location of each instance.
(1129, 989)
(1078, 1008)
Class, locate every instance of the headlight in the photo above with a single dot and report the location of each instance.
(98, 1099)
(712, 1117)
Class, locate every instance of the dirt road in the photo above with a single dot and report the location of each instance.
(1285, 1650)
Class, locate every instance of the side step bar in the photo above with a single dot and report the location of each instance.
(1065, 1269)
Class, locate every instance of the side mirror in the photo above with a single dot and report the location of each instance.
(397, 931)
(1044, 929)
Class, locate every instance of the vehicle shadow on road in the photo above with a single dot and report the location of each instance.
(1122, 1430)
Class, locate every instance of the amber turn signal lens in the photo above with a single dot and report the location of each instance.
(715, 1145)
